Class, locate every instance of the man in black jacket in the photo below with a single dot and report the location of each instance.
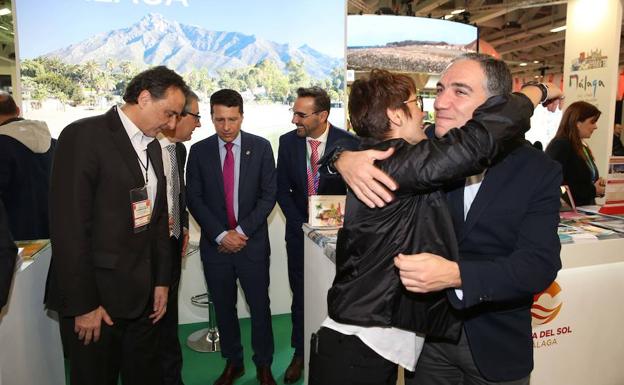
(8, 253)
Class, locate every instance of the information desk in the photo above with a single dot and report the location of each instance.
(577, 322)
(30, 343)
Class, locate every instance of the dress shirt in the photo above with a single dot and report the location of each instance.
(236, 150)
(139, 142)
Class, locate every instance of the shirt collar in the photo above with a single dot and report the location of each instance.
(163, 140)
(236, 141)
(134, 133)
(323, 137)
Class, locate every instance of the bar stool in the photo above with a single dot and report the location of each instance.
(205, 340)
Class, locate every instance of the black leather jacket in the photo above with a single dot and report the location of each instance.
(367, 290)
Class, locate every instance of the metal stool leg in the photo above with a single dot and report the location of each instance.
(205, 340)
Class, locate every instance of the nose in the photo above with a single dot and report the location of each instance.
(442, 101)
(295, 119)
(172, 122)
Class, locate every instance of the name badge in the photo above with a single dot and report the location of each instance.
(141, 208)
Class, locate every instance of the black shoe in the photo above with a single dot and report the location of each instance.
(293, 372)
(230, 373)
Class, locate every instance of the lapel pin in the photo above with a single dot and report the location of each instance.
(247, 152)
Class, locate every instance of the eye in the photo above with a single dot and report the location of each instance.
(439, 90)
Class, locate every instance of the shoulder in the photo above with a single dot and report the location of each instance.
(341, 133)
(254, 140)
(538, 162)
(290, 135)
(204, 143)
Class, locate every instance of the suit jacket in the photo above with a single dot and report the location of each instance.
(181, 157)
(97, 259)
(292, 177)
(576, 172)
(8, 254)
(508, 251)
(256, 195)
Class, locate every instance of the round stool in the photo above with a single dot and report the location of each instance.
(207, 339)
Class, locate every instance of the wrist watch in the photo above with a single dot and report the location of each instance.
(331, 164)
(543, 87)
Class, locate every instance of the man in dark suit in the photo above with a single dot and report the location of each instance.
(298, 178)
(506, 224)
(26, 151)
(8, 254)
(231, 191)
(111, 259)
(174, 158)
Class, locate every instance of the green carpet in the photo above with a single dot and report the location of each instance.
(204, 368)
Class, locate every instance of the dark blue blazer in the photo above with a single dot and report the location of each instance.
(256, 195)
(509, 251)
(292, 177)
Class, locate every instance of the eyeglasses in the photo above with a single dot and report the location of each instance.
(302, 115)
(196, 116)
(419, 102)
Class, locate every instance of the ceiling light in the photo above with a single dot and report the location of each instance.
(523, 64)
(4, 11)
(535, 61)
(457, 11)
(558, 29)
(446, 17)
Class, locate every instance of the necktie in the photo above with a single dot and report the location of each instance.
(228, 184)
(175, 191)
(313, 169)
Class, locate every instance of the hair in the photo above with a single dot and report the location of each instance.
(190, 98)
(575, 113)
(157, 81)
(370, 98)
(226, 97)
(497, 75)
(321, 99)
(7, 104)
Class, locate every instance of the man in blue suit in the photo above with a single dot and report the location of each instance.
(298, 178)
(506, 225)
(231, 191)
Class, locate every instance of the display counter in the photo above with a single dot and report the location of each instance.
(30, 342)
(576, 321)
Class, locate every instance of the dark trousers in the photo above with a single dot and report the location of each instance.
(254, 280)
(294, 250)
(128, 348)
(448, 363)
(169, 351)
(338, 359)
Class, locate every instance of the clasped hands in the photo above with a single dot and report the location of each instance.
(233, 242)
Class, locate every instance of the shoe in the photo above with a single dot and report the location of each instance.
(230, 373)
(293, 372)
(264, 375)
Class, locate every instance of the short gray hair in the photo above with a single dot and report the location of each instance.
(497, 75)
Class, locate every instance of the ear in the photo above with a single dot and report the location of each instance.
(324, 115)
(395, 116)
(144, 97)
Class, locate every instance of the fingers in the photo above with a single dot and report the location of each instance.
(107, 318)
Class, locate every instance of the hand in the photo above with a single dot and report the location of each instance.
(365, 180)
(160, 303)
(233, 242)
(600, 187)
(425, 272)
(88, 325)
(185, 240)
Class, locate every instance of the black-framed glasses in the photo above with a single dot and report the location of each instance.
(302, 115)
(419, 102)
(196, 116)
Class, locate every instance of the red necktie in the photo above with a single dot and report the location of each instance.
(228, 184)
(313, 169)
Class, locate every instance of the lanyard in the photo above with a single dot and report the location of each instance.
(145, 167)
(591, 164)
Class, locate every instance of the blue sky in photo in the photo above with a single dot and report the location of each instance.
(370, 30)
(44, 26)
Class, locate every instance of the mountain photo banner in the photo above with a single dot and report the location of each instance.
(75, 57)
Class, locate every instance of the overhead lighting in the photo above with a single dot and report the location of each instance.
(535, 61)
(446, 17)
(558, 29)
(457, 11)
(522, 64)
(4, 11)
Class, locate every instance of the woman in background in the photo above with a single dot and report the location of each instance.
(567, 147)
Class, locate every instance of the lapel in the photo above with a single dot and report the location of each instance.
(214, 163)
(495, 179)
(154, 152)
(245, 159)
(124, 146)
(455, 197)
(301, 163)
(180, 160)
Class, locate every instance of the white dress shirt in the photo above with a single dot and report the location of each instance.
(236, 151)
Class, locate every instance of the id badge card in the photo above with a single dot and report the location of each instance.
(141, 209)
